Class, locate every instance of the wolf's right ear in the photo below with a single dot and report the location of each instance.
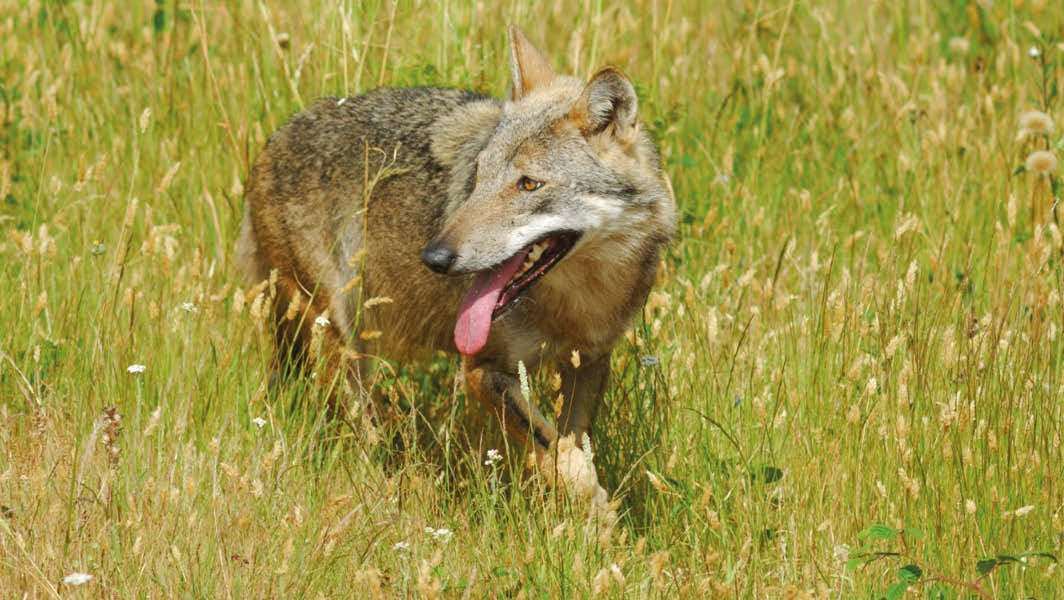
(528, 68)
(608, 104)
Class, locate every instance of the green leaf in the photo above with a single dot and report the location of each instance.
(502, 572)
(910, 574)
(914, 533)
(986, 565)
(769, 474)
(1020, 169)
(158, 20)
(1011, 558)
(895, 591)
(853, 563)
(878, 532)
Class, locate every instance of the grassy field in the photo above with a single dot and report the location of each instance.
(859, 324)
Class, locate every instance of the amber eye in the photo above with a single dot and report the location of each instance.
(528, 184)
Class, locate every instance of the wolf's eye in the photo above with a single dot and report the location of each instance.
(528, 184)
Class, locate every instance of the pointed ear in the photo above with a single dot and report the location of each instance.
(527, 66)
(608, 103)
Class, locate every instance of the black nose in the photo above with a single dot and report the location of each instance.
(438, 257)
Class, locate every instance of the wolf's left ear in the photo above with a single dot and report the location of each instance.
(608, 104)
(527, 66)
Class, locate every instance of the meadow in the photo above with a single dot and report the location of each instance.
(849, 382)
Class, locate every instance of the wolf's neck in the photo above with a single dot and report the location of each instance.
(592, 296)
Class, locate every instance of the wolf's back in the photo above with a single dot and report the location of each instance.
(340, 137)
(337, 171)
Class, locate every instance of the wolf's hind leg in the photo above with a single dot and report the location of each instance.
(309, 341)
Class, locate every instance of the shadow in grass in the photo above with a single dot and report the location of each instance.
(630, 436)
(419, 419)
(423, 418)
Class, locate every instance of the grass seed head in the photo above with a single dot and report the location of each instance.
(112, 429)
(1041, 162)
(1036, 122)
(601, 582)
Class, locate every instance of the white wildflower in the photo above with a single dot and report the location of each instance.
(259, 422)
(400, 546)
(77, 578)
(188, 307)
(134, 369)
(321, 321)
(494, 456)
(442, 534)
(1034, 52)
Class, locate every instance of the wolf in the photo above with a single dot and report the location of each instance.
(526, 230)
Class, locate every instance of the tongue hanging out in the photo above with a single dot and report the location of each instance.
(474, 317)
(495, 289)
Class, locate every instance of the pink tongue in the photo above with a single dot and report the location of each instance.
(474, 317)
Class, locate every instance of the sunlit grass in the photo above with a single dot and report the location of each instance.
(860, 322)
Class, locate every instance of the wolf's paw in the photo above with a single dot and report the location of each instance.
(574, 469)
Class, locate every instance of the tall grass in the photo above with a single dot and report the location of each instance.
(860, 322)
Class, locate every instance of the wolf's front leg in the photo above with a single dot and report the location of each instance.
(561, 461)
(500, 393)
(582, 390)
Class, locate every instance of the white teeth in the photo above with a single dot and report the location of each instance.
(530, 259)
(536, 251)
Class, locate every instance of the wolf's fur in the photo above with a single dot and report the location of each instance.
(392, 170)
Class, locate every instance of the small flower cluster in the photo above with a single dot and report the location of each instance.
(442, 534)
(494, 456)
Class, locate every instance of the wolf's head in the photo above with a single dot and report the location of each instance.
(562, 169)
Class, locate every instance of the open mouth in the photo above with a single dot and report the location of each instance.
(540, 257)
(494, 290)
